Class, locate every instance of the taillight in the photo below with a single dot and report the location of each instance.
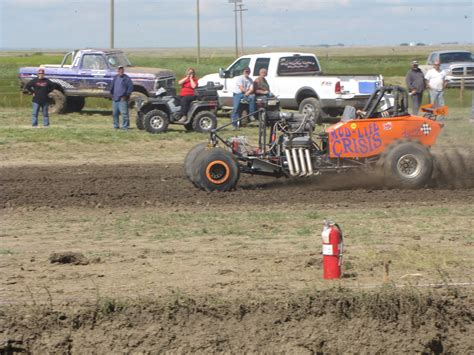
(337, 88)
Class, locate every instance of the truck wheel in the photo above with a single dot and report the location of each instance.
(191, 158)
(156, 121)
(57, 102)
(140, 121)
(136, 96)
(312, 107)
(407, 165)
(204, 121)
(75, 103)
(215, 170)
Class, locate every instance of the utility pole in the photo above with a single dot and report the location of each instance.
(111, 23)
(241, 9)
(198, 33)
(235, 23)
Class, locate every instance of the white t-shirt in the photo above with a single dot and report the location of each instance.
(435, 79)
(245, 82)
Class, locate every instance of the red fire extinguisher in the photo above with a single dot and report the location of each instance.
(333, 246)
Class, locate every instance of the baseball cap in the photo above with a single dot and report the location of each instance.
(120, 67)
(415, 62)
(247, 69)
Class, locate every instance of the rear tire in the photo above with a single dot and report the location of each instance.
(189, 126)
(75, 103)
(57, 102)
(204, 121)
(407, 165)
(190, 159)
(156, 121)
(215, 169)
(312, 107)
(139, 120)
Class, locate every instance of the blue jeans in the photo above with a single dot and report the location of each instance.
(437, 98)
(236, 104)
(120, 107)
(34, 116)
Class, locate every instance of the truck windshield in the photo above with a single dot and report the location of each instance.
(117, 59)
(456, 57)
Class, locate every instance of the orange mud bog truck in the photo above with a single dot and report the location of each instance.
(381, 136)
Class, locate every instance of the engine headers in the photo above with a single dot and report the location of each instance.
(297, 152)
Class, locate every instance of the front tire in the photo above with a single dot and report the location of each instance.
(57, 102)
(190, 159)
(156, 121)
(215, 169)
(407, 165)
(204, 121)
(312, 107)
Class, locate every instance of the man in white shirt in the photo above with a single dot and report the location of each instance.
(436, 82)
(243, 89)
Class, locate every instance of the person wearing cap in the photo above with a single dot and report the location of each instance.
(243, 89)
(415, 81)
(40, 87)
(120, 91)
(436, 82)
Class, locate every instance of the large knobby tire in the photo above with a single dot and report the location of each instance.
(312, 107)
(190, 159)
(135, 97)
(204, 121)
(140, 121)
(75, 103)
(57, 102)
(407, 165)
(156, 121)
(215, 169)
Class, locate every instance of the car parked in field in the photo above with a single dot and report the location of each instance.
(298, 81)
(89, 73)
(458, 65)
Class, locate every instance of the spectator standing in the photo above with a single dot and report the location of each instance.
(40, 87)
(243, 89)
(415, 81)
(186, 95)
(121, 90)
(436, 82)
(260, 84)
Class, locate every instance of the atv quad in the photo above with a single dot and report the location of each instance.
(158, 113)
(382, 136)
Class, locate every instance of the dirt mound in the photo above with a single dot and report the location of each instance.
(332, 321)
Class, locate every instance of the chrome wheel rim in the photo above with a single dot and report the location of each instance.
(205, 123)
(409, 166)
(156, 122)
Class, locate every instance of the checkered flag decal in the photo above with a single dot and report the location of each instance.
(425, 128)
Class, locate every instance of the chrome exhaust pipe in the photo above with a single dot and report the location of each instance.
(295, 161)
(309, 163)
(290, 163)
(302, 162)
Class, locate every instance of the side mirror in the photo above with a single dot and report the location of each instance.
(222, 73)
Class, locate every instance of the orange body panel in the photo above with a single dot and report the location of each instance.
(362, 138)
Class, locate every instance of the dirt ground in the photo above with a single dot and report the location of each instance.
(166, 266)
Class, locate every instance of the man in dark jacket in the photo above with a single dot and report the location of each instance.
(416, 85)
(121, 89)
(40, 87)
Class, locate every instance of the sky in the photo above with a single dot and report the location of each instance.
(70, 24)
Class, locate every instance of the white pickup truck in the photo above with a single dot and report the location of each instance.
(298, 81)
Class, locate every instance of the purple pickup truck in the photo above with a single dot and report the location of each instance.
(89, 73)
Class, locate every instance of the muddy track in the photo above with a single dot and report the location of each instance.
(166, 185)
